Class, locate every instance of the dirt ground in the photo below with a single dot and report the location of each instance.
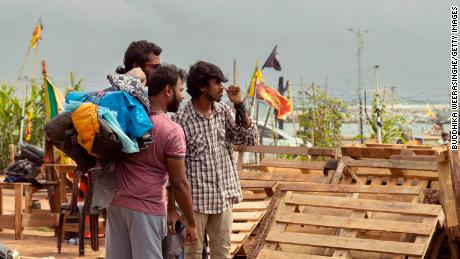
(40, 242)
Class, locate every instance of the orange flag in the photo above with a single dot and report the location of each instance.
(36, 34)
(282, 104)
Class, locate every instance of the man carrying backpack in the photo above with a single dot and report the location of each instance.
(210, 128)
(136, 223)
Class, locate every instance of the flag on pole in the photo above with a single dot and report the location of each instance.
(29, 126)
(273, 61)
(282, 104)
(256, 79)
(53, 99)
(36, 34)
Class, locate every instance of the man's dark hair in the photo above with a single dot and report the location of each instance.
(138, 53)
(199, 75)
(164, 75)
(444, 134)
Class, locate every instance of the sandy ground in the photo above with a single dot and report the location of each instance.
(40, 242)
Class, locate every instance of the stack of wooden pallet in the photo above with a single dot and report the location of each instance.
(312, 225)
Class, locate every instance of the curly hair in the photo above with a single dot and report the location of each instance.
(199, 75)
(138, 53)
(164, 75)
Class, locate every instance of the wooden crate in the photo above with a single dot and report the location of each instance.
(397, 171)
(321, 226)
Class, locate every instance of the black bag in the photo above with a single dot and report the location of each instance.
(32, 153)
(23, 171)
(61, 133)
(106, 144)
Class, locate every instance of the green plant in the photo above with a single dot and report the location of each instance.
(322, 119)
(10, 118)
(73, 86)
(393, 125)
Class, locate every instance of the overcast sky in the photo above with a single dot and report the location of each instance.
(408, 39)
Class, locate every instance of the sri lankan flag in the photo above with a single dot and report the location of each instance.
(282, 104)
(53, 99)
(36, 34)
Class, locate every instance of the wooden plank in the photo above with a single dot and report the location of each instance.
(250, 206)
(447, 198)
(238, 238)
(271, 254)
(371, 245)
(338, 173)
(247, 226)
(364, 204)
(7, 221)
(40, 220)
(234, 248)
(394, 164)
(251, 184)
(409, 174)
(250, 215)
(302, 151)
(413, 158)
(18, 191)
(298, 164)
(287, 177)
(249, 196)
(380, 152)
(374, 189)
(356, 223)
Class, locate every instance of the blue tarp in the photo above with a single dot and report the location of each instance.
(130, 114)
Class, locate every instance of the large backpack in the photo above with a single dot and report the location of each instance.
(61, 134)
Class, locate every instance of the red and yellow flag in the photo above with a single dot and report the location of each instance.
(36, 35)
(29, 126)
(282, 104)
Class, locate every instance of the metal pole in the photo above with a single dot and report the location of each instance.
(378, 110)
(360, 42)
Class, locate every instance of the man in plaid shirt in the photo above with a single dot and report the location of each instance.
(210, 128)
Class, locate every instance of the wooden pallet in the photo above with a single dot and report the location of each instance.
(246, 217)
(402, 170)
(322, 226)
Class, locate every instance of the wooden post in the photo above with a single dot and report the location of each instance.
(11, 149)
(28, 191)
(265, 123)
(1, 202)
(448, 203)
(18, 190)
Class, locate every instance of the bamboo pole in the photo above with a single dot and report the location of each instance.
(11, 149)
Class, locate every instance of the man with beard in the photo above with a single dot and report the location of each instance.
(211, 128)
(137, 214)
